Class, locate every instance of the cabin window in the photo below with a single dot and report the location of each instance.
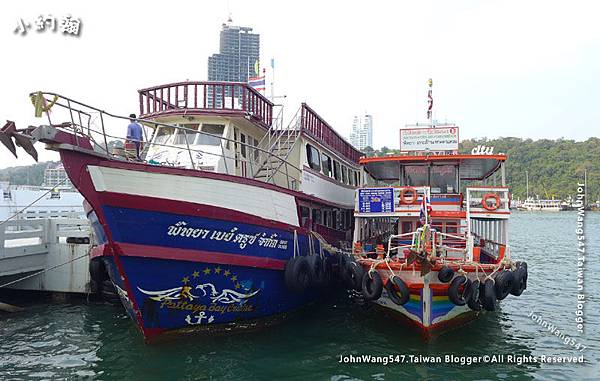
(416, 175)
(326, 165)
(316, 216)
(357, 178)
(184, 135)
(163, 134)
(336, 170)
(214, 129)
(451, 227)
(344, 175)
(304, 215)
(407, 227)
(443, 179)
(256, 151)
(243, 145)
(314, 159)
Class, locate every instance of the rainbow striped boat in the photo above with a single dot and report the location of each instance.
(428, 249)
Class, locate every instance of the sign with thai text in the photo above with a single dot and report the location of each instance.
(429, 139)
(376, 200)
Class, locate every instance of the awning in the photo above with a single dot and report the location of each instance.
(471, 167)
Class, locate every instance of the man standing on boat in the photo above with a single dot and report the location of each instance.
(134, 134)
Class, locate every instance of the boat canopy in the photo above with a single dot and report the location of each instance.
(471, 167)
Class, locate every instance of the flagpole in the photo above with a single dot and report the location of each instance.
(272, 80)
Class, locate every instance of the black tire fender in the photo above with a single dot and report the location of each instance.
(520, 281)
(372, 285)
(353, 275)
(445, 274)
(488, 297)
(457, 297)
(474, 302)
(301, 275)
(397, 290)
(503, 284)
(317, 272)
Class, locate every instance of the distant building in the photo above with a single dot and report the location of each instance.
(362, 132)
(55, 176)
(239, 51)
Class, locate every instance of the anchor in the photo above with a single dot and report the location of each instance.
(22, 139)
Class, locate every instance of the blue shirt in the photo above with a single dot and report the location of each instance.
(134, 132)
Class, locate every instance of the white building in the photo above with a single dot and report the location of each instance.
(362, 132)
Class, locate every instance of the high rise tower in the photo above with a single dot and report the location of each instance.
(239, 51)
(362, 131)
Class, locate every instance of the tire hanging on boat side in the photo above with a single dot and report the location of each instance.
(371, 285)
(445, 274)
(520, 281)
(397, 290)
(353, 275)
(474, 302)
(300, 275)
(457, 297)
(317, 272)
(488, 296)
(503, 284)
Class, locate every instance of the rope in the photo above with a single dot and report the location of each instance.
(43, 271)
(34, 201)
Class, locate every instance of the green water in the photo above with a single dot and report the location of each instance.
(97, 341)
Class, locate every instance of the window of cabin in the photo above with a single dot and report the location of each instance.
(336, 170)
(316, 216)
(416, 175)
(451, 227)
(357, 178)
(314, 159)
(407, 226)
(344, 174)
(304, 215)
(256, 151)
(327, 218)
(243, 145)
(213, 129)
(443, 179)
(326, 165)
(163, 134)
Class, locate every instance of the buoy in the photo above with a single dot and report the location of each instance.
(445, 274)
(503, 284)
(372, 285)
(397, 290)
(457, 297)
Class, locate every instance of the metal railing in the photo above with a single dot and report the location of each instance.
(90, 126)
(206, 97)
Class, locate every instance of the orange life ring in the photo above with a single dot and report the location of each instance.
(487, 206)
(405, 192)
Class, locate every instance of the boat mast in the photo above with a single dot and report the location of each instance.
(527, 184)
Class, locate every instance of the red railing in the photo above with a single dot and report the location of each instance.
(220, 98)
(318, 129)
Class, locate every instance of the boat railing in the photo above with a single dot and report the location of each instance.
(98, 128)
(442, 244)
(206, 97)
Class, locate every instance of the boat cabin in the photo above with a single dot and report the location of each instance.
(232, 129)
(462, 198)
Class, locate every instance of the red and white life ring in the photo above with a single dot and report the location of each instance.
(486, 205)
(408, 191)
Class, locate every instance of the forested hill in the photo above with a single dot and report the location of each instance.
(554, 166)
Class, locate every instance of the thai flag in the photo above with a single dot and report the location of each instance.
(425, 209)
(258, 83)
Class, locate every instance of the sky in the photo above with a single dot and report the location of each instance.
(527, 69)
